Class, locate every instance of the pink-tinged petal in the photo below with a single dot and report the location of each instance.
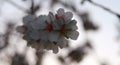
(73, 35)
(60, 12)
(68, 16)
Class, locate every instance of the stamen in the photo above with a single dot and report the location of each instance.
(49, 27)
(57, 17)
(63, 30)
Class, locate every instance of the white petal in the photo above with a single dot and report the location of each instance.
(39, 23)
(52, 17)
(43, 17)
(43, 35)
(62, 42)
(48, 20)
(28, 19)
(68, 16)
(53, 36)
(73, 35)
(72, 25)
(60, 12)
(34, 35)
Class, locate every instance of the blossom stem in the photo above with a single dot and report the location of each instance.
(32, 7)
(39, 57)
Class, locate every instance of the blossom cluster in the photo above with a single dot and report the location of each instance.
(50, 31)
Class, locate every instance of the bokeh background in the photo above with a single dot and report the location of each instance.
(98, 23)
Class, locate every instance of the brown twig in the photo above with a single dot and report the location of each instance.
(32, 7)
(39, 56)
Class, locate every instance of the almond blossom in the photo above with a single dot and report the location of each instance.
(66, 24)
(49, 32)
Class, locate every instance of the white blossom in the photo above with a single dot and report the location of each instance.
(27, 29)
(66, 24)
(50, 31)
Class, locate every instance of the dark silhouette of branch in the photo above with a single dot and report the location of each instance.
(39, 57)
(19, 60)
(32, 7)
(10, 27)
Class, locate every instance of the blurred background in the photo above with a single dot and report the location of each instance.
(98, 23)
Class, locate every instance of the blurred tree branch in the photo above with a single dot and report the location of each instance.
(32, 9)
(5, 36)
(19, 60)
(39, 57)
(101, 6)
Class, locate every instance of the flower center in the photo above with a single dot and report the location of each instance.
(49, 27)
(25, 28)
(63, 30)
(57, 17)
(60, 17)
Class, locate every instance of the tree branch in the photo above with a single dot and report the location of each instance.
(32, 7)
